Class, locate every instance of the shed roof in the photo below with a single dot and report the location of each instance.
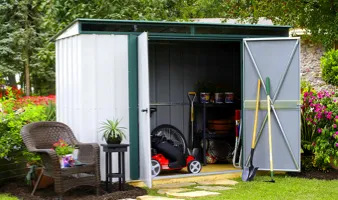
(108, 25)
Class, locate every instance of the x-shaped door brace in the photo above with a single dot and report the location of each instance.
(273, 100)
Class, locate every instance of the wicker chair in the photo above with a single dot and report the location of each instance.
(39, 137)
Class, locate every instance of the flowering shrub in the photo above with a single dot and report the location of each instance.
(62, 148)
(14, 114)
(320, 112)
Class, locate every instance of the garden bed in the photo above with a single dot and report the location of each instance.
(316, 174)
(21, 190)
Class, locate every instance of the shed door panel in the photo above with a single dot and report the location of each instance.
(144, 117)
(278, 58)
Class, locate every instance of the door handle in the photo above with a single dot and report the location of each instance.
(144, 110)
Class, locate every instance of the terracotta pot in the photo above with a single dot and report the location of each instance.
(45, 181)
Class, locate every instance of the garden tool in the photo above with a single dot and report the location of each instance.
(269, 126)
(192, 96)
(237, 142)
(250, 172)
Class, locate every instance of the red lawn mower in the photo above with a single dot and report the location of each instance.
(170, 152)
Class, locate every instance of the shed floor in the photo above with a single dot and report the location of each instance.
(205, 169)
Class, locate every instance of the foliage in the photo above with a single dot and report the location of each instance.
(111, 129)
(318, 17)
(321, 114)
(329, 65)
(15, 113)
(7, 197)
(308, 130)
(50, 111)
(62, 148)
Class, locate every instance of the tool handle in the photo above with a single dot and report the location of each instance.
(267, 80)
(256, 115)
(269, 124)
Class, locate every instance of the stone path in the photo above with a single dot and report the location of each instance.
(218, 182)
(175, 190)
(178, 192)
(213, 188)
(147, 197)
(173, 185)
(193, 194)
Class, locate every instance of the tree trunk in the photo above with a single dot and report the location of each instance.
(11, 80)
(27, 76)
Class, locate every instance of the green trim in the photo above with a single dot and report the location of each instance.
(278, 104)
(242, 95)
(180, 36)
(192, 25)
(175, 23)
(133, 107)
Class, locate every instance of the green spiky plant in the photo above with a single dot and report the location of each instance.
(112, 132)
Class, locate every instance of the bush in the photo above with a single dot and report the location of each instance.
(321, 115)
(14, 114)
(329, 65)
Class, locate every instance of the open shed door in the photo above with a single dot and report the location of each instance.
(144, 110)
(279, 59)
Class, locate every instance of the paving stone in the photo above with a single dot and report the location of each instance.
(127, 199)
(148, 197)
(173, 185)
(213, 188)
(218, 182)
(174, 190)
(193, 194)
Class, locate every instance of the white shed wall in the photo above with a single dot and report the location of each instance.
(92, 86)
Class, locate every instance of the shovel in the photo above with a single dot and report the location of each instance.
(192, 96)
(250, 172)
(269, 125)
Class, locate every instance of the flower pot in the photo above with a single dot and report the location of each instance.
(45, 181)
(204, 97)
(115, 140)
(66, 160)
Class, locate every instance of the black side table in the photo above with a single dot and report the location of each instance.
(120, 149)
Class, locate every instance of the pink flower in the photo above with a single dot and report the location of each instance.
(335, 126)
(313, 144)
(319, 130)
(336, 117)
(328, 116)
(332, 93)
(306, 94)
(334, 100)
(337, 144)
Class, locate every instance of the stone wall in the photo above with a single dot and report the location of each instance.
(310, 65)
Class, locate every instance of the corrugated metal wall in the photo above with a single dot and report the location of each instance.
(92, 86)
(176, 67)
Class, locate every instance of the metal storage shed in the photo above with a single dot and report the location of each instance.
(102, 72)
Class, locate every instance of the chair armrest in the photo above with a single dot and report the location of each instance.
(88, 152)
(53, 157)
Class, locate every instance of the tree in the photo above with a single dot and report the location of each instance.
(319, 17)
(20, 37)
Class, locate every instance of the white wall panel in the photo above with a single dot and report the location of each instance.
(92, 86)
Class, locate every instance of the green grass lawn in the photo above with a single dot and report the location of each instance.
(7, 197)
(284, 188)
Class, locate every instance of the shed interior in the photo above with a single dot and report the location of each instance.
(178, 67)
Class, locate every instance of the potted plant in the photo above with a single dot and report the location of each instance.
(112, 132)
(34, 168)
(65, 153)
